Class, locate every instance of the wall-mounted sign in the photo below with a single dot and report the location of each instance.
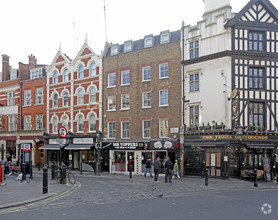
(83, 140)
(174, 130)
(57, 141)
(129, 145)
(62, 131)
(25, 147)
(162, 145)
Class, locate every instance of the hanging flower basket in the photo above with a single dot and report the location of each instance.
(276, 150)
(243, 150)
(229, 150)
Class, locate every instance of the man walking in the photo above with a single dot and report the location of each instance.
(157, 166)
(148, 167)
(168, 170)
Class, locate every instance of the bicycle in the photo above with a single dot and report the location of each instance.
(69, 175)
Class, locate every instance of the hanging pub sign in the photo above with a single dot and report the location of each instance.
(25, 147)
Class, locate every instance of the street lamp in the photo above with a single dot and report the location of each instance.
(98, 147)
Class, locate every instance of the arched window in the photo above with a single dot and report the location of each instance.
(93, 69)
(80, 123)
(80, 97)
(55, 100)
(55, 77)
(65, 122)
(81, 72)
(92, 122)
(65, 99)
(65, 75)
(54, 124)
(93, 97)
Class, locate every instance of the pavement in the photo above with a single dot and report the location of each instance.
(109, 188)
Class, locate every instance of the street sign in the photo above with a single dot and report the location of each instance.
(62, 131)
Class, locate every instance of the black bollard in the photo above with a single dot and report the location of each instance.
(206, 178)
(61, 175)
(130, 171)
(64, 175)
(255, 178)
(23, 171)
(45, 180)
(53, 171)
(31, 170)
(39, 166)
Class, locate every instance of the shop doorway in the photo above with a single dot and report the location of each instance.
(194, 162)
(76, 160)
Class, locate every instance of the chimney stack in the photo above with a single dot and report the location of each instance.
(5, 67)
(32, 60)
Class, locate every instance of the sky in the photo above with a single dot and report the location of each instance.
(38, 27)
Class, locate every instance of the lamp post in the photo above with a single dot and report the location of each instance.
(99, 147)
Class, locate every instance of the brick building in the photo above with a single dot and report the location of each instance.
(22, 108)
(142, 100)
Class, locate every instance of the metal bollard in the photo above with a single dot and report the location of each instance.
(61, 175)
(206, 178)
(64, 175)
(255, 178)
(23, 171)
(53, 171)
(39, 166)
(31, 170)
(45, 180)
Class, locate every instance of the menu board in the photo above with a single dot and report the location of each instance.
(266, 163)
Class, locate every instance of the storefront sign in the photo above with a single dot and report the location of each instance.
(83, 140)
(159, 145)
(25, 147)
(129, 146)
(234, 137)
(57, 141)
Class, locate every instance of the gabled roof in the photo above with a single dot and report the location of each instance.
(60, 57)
(85, 49)
(256, 11)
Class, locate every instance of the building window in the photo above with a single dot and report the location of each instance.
(66, 75)
(128, 47)
(194, 49)
(39, 122)
(163, 70)
(81, 72)
(13, 74)
(163, 97)
(65, 122)
(12, 123)
(125, 76)
(114, 50)
(146, 129)
(0, 123)
(256, 78)
(146, 73)
(148, 42)
(125, 101)
(111, 103)
(256, 114)
(125, 129)
(39, 96)
(111, 80)
(146, 99)
(65, 97)
(163, 128)
(10, 100)
(93, 69)
(194, 115)
(55, 77)
(54, 125)
(256, 41)
(93, 95)
(27, 123)
(194, 82)
(27, 97)
(55, 100)
(80, 123)
(80, 97)
(92, 123)
(36, 73)
(164, 38)
(111, 129)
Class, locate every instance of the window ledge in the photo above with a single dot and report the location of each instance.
(125, 84)
(108, 87)
(124, 109)
(164, 77)
(38, 104)
(148, 80)
(147, 107)
(111, 110)
(161, 106)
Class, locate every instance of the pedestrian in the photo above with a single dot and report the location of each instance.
(9, 158)
(176, 170)
(148, 167)
(168, 170)
(157, 165)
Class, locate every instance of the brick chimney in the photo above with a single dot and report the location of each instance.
(5, 67)
(32, 60)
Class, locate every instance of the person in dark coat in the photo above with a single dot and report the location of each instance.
(148, 167)
(157, 165)
(168, 170)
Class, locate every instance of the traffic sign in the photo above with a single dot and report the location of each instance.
(62, 131)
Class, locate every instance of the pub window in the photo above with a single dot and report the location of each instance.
(256, 41)
(256, 114)
(194, 115)
(256, 78)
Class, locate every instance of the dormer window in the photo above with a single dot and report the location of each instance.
(13, 74)
(114, 50)
(36, 73)
(164, 38)
(148, 42)
(128, 46)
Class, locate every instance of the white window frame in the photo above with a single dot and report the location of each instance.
(194, 82)
(143, 99)
(55, 77)
(27, 123)
(92, 97)
(148, 42)
(79, 72)
(108, 80)
(78, 123)
(194, 49)
(126, 108)
(128, 46)
(161, 65)
(192, 117)
(65, 75)
(114, 50)
(122, 77)
(12, 120)
(53, 100)
(160, 98)
(93, 69)
(63, 98)
(39, 96)
(10, 99)
(36, 73)
(65, 121)
(13, 74)
(114, 131)
(143, 73)
(79, 98)
(122, 130)
(39, 122)
(94, 122)
(146, 129)
(164, 41)
(108, 103)
(160, 129)
(27, 98)
(55, 125)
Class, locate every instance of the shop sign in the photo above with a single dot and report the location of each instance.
(129, 146)
(234, 137)
(25, 147)
(57, 141)
(159, 145)
(174, 130)
(83, 140)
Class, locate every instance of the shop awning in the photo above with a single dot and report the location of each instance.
(204, 144)
(79, 146)
(51, 147)
(260, 146)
